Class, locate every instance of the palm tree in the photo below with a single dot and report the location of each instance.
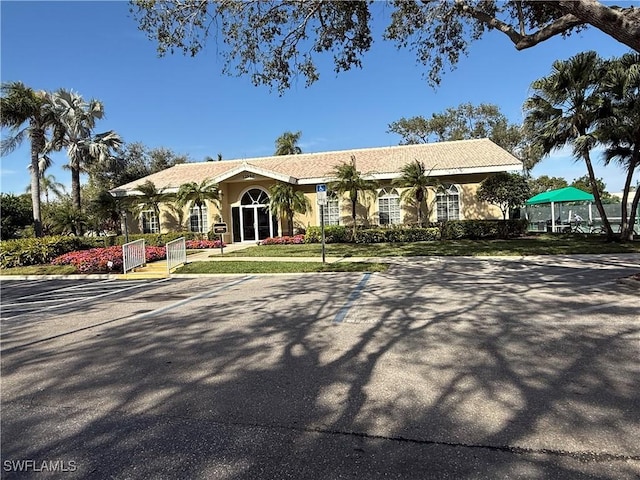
(349, 180)
(287, 144)
(564, 110)
(150, 198)
(76, 120)
(104, 212)
(196, 194)
(285, 201)
(22, 105)
(415, 178)
(619, 128)
(68, 220)
(49, 184)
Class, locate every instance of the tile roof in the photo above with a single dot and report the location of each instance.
(445, 158)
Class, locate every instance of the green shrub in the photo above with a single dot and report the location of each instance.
(332, 234)
(449, 230)
(153, 239)
(481, 229)
(38, 251)
(371, 235)
(396, 235)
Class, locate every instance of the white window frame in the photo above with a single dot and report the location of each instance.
(392, 209)
(448, 203)
(331, 210)
(194, 219)
(149, 218)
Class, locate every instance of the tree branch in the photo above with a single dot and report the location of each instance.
(490, 21)
(621, 24)
(522, 41)
(559, 26)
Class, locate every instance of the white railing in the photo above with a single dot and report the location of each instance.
(133, 255)
(176, 253)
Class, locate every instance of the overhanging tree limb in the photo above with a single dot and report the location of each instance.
(623, 24)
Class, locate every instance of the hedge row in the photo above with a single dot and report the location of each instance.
(483, 229)
(37, 251)
(153, 239)
(332, 234)
(451, 230)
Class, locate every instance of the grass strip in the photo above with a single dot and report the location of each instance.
(40, 270)
(536, 245)
(280, 267)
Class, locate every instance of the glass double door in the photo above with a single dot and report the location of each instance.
(255, 223)
(252, 219)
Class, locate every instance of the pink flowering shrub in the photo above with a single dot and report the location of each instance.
(153, 253)
(95, 260)
(286, 240)
(200, 244)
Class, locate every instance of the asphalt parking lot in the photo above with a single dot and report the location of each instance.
(440, 368)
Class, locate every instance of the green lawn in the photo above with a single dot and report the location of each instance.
(279, 267)
(40, 270)
(538, 245)
(545, 244)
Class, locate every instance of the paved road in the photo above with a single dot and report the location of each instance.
(440, 368)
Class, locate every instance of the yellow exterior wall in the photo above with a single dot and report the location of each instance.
(367, 208)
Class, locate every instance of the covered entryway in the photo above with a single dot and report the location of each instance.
(252, 219)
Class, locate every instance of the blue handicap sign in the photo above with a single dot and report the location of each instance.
(321, 188)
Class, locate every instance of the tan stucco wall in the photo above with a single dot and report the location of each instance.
(367, 208)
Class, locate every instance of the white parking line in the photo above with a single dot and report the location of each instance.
(191, 299)
(35, 302)
(15, 284)
(139, 316)
(86, 299)
(65, 289)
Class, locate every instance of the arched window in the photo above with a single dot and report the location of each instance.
(332, 210)
(389, 206)
(448, 203)
(255, 196)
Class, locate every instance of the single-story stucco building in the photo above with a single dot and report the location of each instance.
(460, 166)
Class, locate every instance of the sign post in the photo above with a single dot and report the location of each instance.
(220, 229)
(321, 195)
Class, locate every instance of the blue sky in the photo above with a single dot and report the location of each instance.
(186, 104)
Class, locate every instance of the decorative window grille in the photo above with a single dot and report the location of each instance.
(332, 210)
(389, 207)
(448, 203)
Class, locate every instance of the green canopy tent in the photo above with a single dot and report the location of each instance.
(562, 195)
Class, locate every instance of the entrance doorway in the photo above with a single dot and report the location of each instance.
(252, 220)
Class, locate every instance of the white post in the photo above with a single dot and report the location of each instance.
(553, 218)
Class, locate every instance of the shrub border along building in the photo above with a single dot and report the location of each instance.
(38, 251)
(450, 230)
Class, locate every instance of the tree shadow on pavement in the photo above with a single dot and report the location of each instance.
(438, 370)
